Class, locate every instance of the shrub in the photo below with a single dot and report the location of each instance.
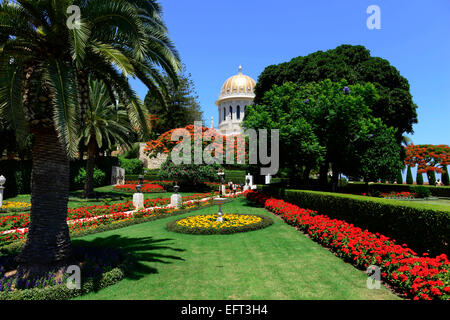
(150, 175)
(421, 229)
(409, 177)
(419, 179)
(99, 178)
(188, 176)
(237, 176)
(421, 191)
(131, 166)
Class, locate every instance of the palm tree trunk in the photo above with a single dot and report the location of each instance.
(89, 183)
(48, 243)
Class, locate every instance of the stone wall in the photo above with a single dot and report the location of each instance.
(154, 163)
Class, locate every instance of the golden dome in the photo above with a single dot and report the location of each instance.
(238, 86)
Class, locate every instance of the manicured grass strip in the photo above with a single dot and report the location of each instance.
(277, 262)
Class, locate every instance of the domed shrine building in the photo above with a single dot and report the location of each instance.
(236, 94)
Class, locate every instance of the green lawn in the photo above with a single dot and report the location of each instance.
(106, 195)
(278, 262)
(438, 204)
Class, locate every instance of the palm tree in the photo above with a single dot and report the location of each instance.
(106, 124)
(45, 64)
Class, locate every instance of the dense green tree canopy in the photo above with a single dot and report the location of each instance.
(353, 63)
(180, 109)
(328, 122)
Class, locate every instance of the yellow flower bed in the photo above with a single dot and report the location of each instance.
(208, 224)
(210, 221)
(15, 205)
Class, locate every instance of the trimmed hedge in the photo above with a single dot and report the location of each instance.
(265, 222)
(423, 230)
(151, 175)
(18, 174)
(237, 176)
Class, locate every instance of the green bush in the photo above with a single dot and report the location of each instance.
(188, 176)
(151, 175)
(423, 230)
(237, 176)
(99, 178)
(445, 177)
(421, 191)
(419, 179)
(409, 177)
(131, 166)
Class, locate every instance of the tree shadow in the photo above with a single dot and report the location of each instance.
(142, 250)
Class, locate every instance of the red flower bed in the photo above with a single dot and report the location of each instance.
(422, 278)
(112, 213)
(23, 220)
(146, 188)
(401, 195)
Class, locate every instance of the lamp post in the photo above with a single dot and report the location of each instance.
(220, 201)
(2, 182)
(221, 174)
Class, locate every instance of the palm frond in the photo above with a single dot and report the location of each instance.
(11, 107)
(61, 78)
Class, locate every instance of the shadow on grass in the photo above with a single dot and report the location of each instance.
(144, 250)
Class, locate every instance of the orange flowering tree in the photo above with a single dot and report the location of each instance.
(192, 176)
(428, 157)
(209, 138)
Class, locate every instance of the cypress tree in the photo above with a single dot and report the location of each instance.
(409, 177)
(445, 177)
(419, 178)
(399, 178)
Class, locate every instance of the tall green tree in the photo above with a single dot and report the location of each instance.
(46, 59)
(419, 178)
(409, 177)
(355, 64)
(445, 177)
(327, 123)
(431, 175)
(106, 124)
(180, 108)
(399, 178)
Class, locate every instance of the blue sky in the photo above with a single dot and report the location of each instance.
(215, 37)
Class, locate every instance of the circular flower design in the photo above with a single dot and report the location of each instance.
(208, 224)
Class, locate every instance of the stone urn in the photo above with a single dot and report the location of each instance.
(220, 202)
